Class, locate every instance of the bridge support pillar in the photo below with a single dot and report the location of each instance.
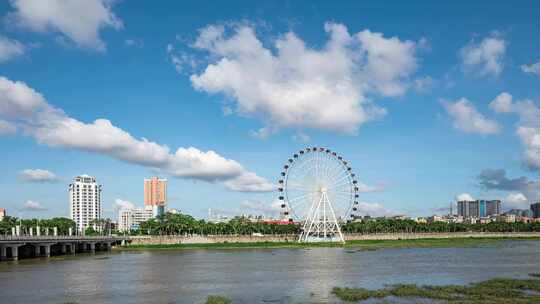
(37, 250)
(47, 250)
(63, 248)
(73, 248)
(15, 252)
(3, 253)
(92, 247)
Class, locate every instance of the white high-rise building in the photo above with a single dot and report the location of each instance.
(131, 218)
(84, 201)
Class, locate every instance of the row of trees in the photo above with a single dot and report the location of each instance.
(185, 224)
(410, 226)
(61, 223)
(179, 224)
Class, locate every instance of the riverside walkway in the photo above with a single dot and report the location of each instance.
(15, 247)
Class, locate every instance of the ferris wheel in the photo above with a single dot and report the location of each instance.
(318, 189)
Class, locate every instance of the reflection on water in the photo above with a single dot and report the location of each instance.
(253, 276)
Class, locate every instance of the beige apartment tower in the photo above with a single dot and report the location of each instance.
(155, 191)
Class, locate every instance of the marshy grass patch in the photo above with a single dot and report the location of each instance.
(218, 300)
(496, 291)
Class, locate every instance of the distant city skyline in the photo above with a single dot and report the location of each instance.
(216, 99)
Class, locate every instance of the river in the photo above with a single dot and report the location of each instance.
(253, 276)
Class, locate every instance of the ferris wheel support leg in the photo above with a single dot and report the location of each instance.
(336, 223)
(312, 219)
(303, 234)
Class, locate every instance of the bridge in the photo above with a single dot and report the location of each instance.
(15, 247)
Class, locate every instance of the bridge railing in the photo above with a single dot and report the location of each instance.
(57, 237)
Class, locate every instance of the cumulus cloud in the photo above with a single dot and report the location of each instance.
(33, 206)
(38, 176)
(120, 204)
(468, 119)
(10, 49)
(293, 85)
(532, 68)
(516, 201)
(464, 197)
(496, 179)
(484, 57)
(50, 126)
(528, 129)
(79, 21)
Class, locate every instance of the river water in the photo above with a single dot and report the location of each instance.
(253, 276)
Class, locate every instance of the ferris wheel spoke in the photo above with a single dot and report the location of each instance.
(301, 197)
(342, 184)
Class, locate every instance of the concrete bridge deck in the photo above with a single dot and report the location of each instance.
(15, 247)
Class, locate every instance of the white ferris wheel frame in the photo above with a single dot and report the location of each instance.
(318, 189)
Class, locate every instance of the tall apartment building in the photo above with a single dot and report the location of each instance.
(535, 208)
(479, 208)
(84, 201)
(155, 194)
(131, 218)
(2, 213)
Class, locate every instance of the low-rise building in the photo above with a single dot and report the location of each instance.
(131, 218)
(506, 218)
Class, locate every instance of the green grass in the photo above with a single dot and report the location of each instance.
(218, 300)
(497, 291)
(358, 245)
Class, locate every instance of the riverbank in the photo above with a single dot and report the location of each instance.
(211, 239)
(353, 244)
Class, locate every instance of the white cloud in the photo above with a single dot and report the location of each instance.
(10, 48)
(52, 127)
(484, 57)
(467, 119)
(389, 61)
(120, 204)
(263, 133)
(249, 182)
(423, 84)
(532, 68)
(80, 21)
(528, 129)
(502, 103)
(181, 61)
(38, 176)
(297, 86)
(7, 128)
(516, 201)
(363, 188)
(373, 209)
(464, 197)
(272, 209)
(33, 206)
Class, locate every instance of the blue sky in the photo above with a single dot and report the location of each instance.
(411, 94)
